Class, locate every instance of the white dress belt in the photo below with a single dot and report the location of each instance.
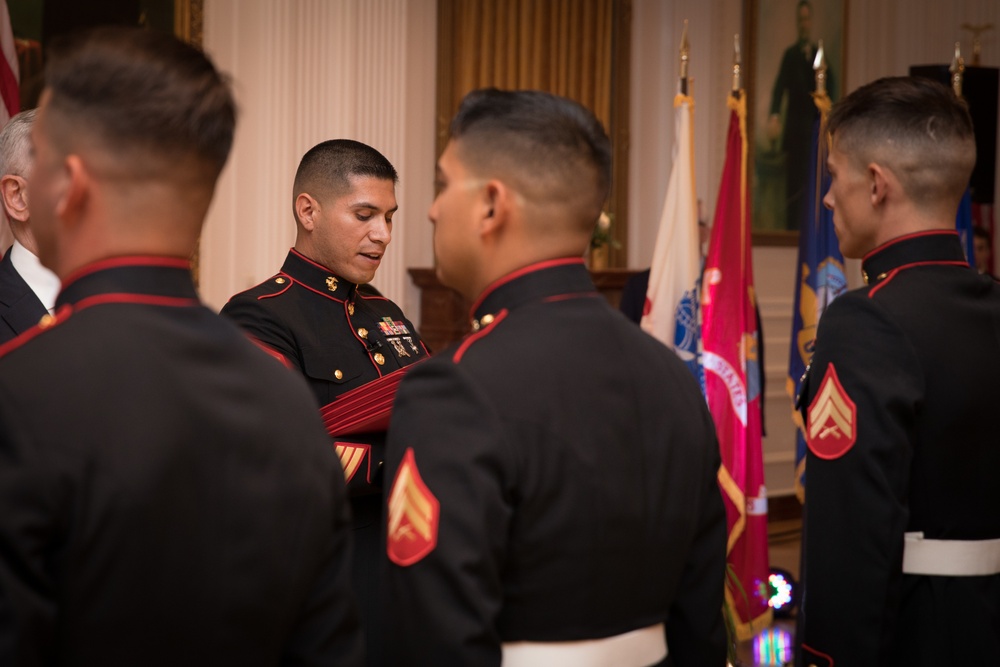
(950, 558)
(637, 648)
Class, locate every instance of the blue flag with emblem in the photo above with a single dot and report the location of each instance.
(819, 277)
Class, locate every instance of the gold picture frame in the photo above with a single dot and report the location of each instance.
(783, 39)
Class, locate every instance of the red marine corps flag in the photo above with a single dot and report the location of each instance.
(732, 382)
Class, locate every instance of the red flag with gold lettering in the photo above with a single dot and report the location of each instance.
(732, 382)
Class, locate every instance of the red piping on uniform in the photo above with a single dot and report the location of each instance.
(328, 296)
(566, 297)
(472, 338)
(932, 232)
(270, 351)
(892, 274)
(279, 292)
(531, 268)
(60, 315)
(136, 260)
(819, 653)
(64, 311)
(143, 299)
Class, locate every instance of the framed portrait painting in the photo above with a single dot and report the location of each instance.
(784, 38)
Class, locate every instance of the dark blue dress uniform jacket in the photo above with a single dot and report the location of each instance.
(146, 453)
(20, 309)
(917, 353)
(340, 336)
(574, 463)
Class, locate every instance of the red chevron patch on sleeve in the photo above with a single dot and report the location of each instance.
(413, 515)
(833, 419)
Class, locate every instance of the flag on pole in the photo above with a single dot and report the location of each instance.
(732, 381)
(670, 313)
(819, 277)
(9, 75)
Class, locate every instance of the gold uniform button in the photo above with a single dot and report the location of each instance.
(337, 374)
(280, 281)
(46, 321)
(362, 332)
(486, 320)
(379, 359)
(350, 309)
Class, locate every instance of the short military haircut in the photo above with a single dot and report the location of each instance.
(326, 169)
(15, 142)
(916, 127)
(156, 103)
(546, 147)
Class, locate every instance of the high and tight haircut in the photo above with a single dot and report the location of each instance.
(144, 94)
(915, 126)
(15, 144)
(547, 145)
(327, 168)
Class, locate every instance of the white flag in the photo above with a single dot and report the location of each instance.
(671, 310)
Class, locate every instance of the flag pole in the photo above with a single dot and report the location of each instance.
(819, 67)
(737, 66)
(685, 59)
(957, 69)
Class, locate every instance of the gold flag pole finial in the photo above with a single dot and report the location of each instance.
(977, 45)
(819, 67)
(957, 69)
(737, 65)
(685, 59)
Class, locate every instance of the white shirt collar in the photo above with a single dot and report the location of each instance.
(42, 282)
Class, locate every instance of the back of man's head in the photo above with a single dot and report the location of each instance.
(547, 148)
(326, 170)
(15, 144)
(155, 103)
(917, 128)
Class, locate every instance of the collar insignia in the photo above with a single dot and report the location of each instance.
(414, 514)
(832, 427)
(331, 283)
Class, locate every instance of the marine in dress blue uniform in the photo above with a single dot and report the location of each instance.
(321, 318)
(146, 446)
(902, 515)
(554, 495)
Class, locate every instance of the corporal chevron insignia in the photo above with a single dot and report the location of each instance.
(833, 417)
(352, 455)
(413, 515)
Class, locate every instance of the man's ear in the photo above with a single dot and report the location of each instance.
(880, 180)
(496, 206)
(73, 199)
(15, 197)
(306, 210)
